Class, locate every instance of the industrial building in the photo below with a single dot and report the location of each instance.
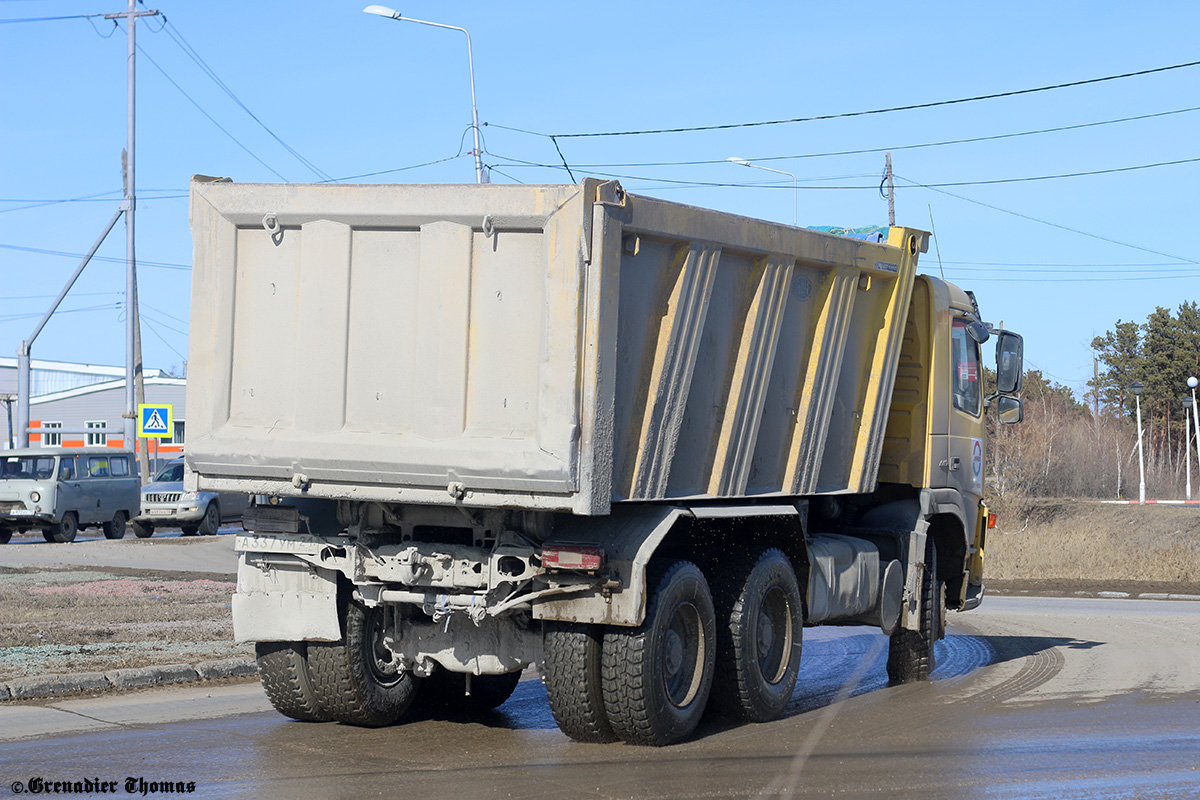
(78, 397)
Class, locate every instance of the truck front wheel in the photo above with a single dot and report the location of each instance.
(571, 668)
(910, 653)
(657, 676)
(283, 673)
(355, 680)
(760, 623)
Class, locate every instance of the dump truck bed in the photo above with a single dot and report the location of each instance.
(556, 347)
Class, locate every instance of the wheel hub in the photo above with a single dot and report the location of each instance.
(766, 635)
(673, 653)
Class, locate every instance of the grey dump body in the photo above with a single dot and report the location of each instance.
(537, 347)
(495, 426)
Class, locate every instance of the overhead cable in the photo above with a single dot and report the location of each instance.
(849, 114)
(1032, 218)
(190, 51)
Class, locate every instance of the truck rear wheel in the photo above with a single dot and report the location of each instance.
(760, 623)
(64, 532)
(657, 676)
(572, 672)
(910, 653)
(355, 680)
(283, 672)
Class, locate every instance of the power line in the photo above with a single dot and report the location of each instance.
(104, 307)
(199, 108)
(103, 198)
(892, 148)
(1191, 276)
(190, 51)
(391, 171)
(849, 114)
(1032, 218)
(47, 19)
(874, 185)
(141, 263)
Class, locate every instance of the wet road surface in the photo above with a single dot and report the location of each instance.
(1032, 698)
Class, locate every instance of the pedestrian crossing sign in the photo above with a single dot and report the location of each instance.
(154, 421)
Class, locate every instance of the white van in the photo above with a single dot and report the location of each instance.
(59, 490)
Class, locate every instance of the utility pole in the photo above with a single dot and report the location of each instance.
(891, 193)
(133, 356)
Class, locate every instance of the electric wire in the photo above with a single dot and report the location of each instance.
(210, 117)
(892, 148)
(177, 37)
(153, 328)
(104, 198)
(112, 259)
(849, 114)
(39, 314)
(1032, 218)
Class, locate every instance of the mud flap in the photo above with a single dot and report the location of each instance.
(282, 599)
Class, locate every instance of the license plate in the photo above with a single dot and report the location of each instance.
(161, 512)
(20, 512)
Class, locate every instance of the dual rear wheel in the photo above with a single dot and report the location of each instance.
(355, 680)
(733, 647)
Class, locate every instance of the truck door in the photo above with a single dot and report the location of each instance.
(965, 440)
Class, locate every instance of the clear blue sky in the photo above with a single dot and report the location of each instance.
(1059, 260)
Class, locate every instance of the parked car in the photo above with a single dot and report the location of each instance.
(166, 505)
(59, 490)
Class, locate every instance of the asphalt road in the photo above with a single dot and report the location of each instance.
(167, 549)
(1032, 698)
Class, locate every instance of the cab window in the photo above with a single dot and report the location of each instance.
(965, 375)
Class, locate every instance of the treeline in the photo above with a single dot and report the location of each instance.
(1087, 447)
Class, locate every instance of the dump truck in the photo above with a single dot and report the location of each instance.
(633, 444)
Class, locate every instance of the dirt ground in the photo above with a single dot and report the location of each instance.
(65, 619)
(1065, 544)
(79, 619)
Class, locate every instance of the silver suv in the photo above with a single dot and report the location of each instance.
(166, 505)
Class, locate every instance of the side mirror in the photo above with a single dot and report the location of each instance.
(1010, 410)
(1010, 362)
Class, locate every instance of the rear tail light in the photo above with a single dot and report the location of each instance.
(991, 520)
(587, 559)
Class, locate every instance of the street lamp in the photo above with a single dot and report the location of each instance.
(1195, 413)
(795, 188)
(391, 13)
(1136, 387)
(1187, 448)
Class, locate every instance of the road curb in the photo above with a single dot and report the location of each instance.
(128, 678)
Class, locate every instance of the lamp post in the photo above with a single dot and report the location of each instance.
(795, 187)
(1192, 383)
(1187, 448)
(391, 13)
(1136, 387)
